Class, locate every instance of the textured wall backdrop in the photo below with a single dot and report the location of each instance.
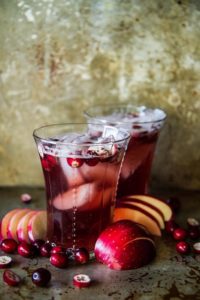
(58, 56)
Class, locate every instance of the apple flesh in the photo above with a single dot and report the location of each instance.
(22, 228)
(138, 215)
(13, 223)
(155, 213)
(124, 245)
(37, 226)
(150, 201)
(5, 221)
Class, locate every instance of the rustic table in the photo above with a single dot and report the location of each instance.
(169, 276)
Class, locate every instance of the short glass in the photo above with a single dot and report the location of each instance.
(81, 164)
(144, 125)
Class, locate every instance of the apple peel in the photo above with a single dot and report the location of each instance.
(37, 226)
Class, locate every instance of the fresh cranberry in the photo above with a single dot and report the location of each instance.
(5, 261)
(174, 203)
(81, 255)
(70, 253)
(45, 250)
(26, 250)
(11, 278)
(183, 247)
(81, 280)
(194, 233)
(93, 161)
(59, 260)
(57, 249)
(41, 277)
(170, 226)
(192, 222)
(75, 162)
(37, 244)
(9, 245)
(179, 234)
(196, 247)
(48, 162)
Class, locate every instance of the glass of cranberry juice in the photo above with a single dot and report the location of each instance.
(144, 125)
(81, 164)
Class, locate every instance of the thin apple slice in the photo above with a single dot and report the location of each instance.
(136, 214)
(22, 228)
(14, 221)
(5, 221)
(154, 212)
(37, 226)
(152, 201)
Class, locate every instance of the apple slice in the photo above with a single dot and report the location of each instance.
(14, 221)
(154, 212)
(22, 228)
(37, 226)
(5, 221)
(138, 215)
(152, 201)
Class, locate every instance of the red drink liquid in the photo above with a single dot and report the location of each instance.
(80, 183)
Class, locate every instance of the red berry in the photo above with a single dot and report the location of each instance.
(26, 198)
(183, 247)
(37, 244)
(194, 233)
(192, 222)
(41, 277)
(179, 234)
(9, 245)
(81, 280)
(58, 249)
(11, 278)
(45, 250)
(48, 162)
(170, 226)
(75, 162)
(59, 260)
(93, 161)
(5, 261)
(196, 248)
(81, 255)
(26, 250)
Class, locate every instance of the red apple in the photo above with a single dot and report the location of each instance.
(163, 207)
(5, 221)
(138, 215)
(22, 228)
(13, 223)
(37, 226)
(124, 245)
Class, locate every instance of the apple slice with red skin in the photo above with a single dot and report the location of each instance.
(164, 208)
(37, 226)
(13, 223)
(22, 228)
(138, 215)
(154, 212)
(124, 245)
(5, 221)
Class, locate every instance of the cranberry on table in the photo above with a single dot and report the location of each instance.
(81, 255)
(37, 244)
(41, 277)
(5, 261)
(183, 247)
(196, 248)
(170, 226)
(81, 280)
(192, 222)
(26, 250)
(11, 278)
(9, 245)
(57, 249)
(59, 260)
(45, 250)
(180, 234)
(194, 233)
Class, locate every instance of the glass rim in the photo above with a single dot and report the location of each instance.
(47, 140)
(115, 106)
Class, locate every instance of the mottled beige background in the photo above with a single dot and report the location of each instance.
(58, 56)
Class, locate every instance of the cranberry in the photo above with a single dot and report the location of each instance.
(192, 222)
(37, 244)
(9, 245)
(48, 162)
(70, 253)
(180, 234)
(174, 203)
(59, 260)
(5, 261)
(26, 198)
(81, 255)
(11, 278)
(45, 250)
(183, 247)
(93, 161)
(81, 280)
(26, 250)
(57, 249)
(194, 233)
(41, 277)
(196, 248)
(170, 226)
(75, 162)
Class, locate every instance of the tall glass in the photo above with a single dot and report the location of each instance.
(144, 125)
(81, 164)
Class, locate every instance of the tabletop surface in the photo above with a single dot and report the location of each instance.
(169, 276)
